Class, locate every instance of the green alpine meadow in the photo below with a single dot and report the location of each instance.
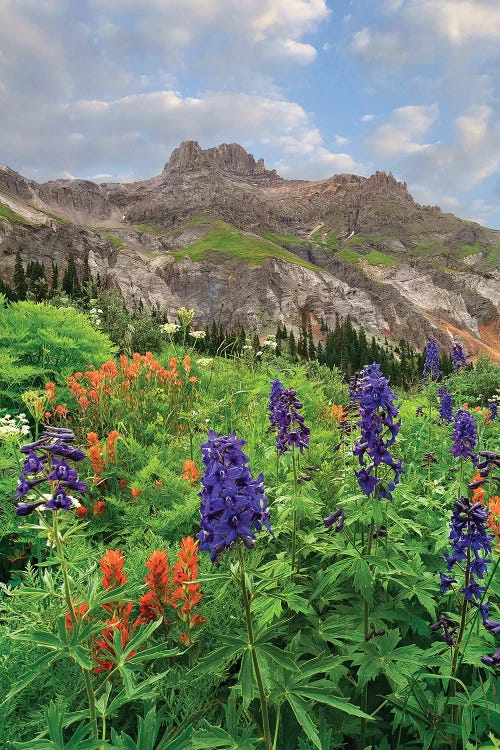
(226, 539)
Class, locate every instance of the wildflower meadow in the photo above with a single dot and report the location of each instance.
(245, 551)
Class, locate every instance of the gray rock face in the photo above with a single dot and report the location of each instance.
(434, 293)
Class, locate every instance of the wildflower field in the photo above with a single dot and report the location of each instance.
(201, 552)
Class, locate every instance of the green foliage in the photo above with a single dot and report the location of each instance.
(346, 255)
(477, 385)
(139, 332)
(41, 343)
(327, 684)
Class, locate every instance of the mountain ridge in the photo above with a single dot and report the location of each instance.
(418, 270)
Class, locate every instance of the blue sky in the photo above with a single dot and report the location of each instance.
(105, 89)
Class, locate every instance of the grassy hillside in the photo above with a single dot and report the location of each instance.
(224, 238)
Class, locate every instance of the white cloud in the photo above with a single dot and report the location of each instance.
(416, 32)
(367, 118)
(143, 129)
(402, 133)
(459, 21)
(443, 172)
(243, 34)
(341, 140)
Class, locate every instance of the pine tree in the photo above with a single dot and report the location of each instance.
(70, 284)
(292, 346)
(20, 284)
(311, 349)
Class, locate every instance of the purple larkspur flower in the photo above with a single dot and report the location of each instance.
(26, 485)
(233, 503)
(471, 544)
(59, 501)
(464, 434)
(379, 429)
(42, 465)
(292, 430)
(446, 583)
(431, 365)
(492, 411)
(33, 464)
(445, 404)
(458, 357)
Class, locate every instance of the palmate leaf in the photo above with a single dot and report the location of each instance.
(381, 656)
(140, 691)
(301, 694)
(301, 710)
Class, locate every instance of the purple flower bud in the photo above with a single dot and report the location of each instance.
(338, 516)
(24, 509)
(492, 661)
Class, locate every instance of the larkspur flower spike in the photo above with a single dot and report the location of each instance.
(378, 432)
(445, 405)
(464, 434)
(233, 503)
(286, 416)
(458, 357)
(431, 365)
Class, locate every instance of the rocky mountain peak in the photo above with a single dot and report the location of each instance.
(228, 158)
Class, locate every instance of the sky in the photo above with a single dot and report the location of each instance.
(106, 89)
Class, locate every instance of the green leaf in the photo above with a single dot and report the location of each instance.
(300, 709)
(362, 580)
(246, 680)
(278, 656)
(320, 691)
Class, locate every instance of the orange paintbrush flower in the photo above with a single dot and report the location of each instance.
(190, 472)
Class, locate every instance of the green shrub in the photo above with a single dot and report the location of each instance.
(40, 343)
(478, 385)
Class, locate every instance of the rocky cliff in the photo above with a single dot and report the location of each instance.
(219, 232)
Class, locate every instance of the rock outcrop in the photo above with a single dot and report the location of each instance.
(397, 268)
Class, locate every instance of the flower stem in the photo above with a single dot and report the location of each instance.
(69, 603)
(258, 675)
(366, 617)
(295, 519)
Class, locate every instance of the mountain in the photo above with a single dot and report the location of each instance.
(219, 232)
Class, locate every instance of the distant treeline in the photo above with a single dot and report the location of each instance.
(343, 346)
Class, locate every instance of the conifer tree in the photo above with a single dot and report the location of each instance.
(20, 284)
